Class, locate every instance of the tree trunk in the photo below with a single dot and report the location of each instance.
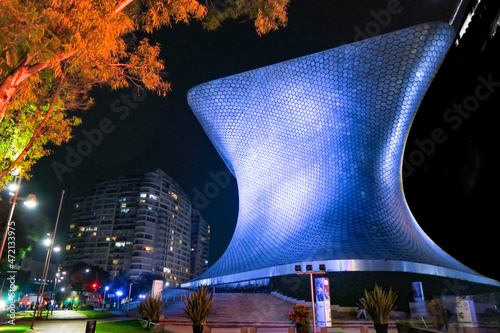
(39, 129)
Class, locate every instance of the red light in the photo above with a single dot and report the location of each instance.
(94, 285)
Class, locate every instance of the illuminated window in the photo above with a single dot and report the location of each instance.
(142, 201)
(123, 205)
(68, 247)
(148, 249)
(72, 226)
(120, 244)
(174, 195)
(125, 210)
(143, 195)
(108, 239)
(171, 248)
(115, 262)
(176, 207)
(152, 196)
(94, 234)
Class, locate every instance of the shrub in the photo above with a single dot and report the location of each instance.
(197, 306)
(403, 326)
(151, 308)
(379, 304)
(301, 316)
(84, 307)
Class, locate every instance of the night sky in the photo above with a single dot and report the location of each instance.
(451, 192)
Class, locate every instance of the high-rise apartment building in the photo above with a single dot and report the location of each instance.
(200, 244)
(134, 224)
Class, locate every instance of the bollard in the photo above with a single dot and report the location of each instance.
(323, 330)
(243, 330)
(364, 329)
(291, 329)
(207, 329)
(90, 328)
(253, 330)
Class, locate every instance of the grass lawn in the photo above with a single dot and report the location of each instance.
(18, 328)
(129, 326)
(98, 314)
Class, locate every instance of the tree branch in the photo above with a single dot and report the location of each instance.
(122, 5)
(9, 85)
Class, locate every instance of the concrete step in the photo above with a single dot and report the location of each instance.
(238, 308)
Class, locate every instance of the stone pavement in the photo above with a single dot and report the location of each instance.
(66, 321)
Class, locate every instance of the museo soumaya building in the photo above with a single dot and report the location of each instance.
(316, 146)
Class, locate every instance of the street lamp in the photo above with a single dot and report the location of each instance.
(47, 260)
(118, 293)
(129, 292)
(104, 299)
(29, 201)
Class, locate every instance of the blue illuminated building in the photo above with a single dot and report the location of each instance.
(316, 146)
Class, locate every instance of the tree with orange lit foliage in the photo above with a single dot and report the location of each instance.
(53, 52)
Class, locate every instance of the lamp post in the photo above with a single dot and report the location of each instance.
(57, 249)
(47, 260)
(104, 299)
(129, 292)
(29, 201)
(118, 293)
(298, 269)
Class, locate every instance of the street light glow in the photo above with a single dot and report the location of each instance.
(30, 201)
(46, 242)
(119, 293)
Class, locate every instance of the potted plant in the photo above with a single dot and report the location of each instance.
(197, 307)
(301, 316)
(151, 308)
(436, 309)
(379, 304)
(403, 326)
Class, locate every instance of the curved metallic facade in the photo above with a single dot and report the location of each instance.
(316, 145)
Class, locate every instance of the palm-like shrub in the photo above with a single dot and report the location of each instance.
(151, 308)
(379, 304)
(197, 307)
